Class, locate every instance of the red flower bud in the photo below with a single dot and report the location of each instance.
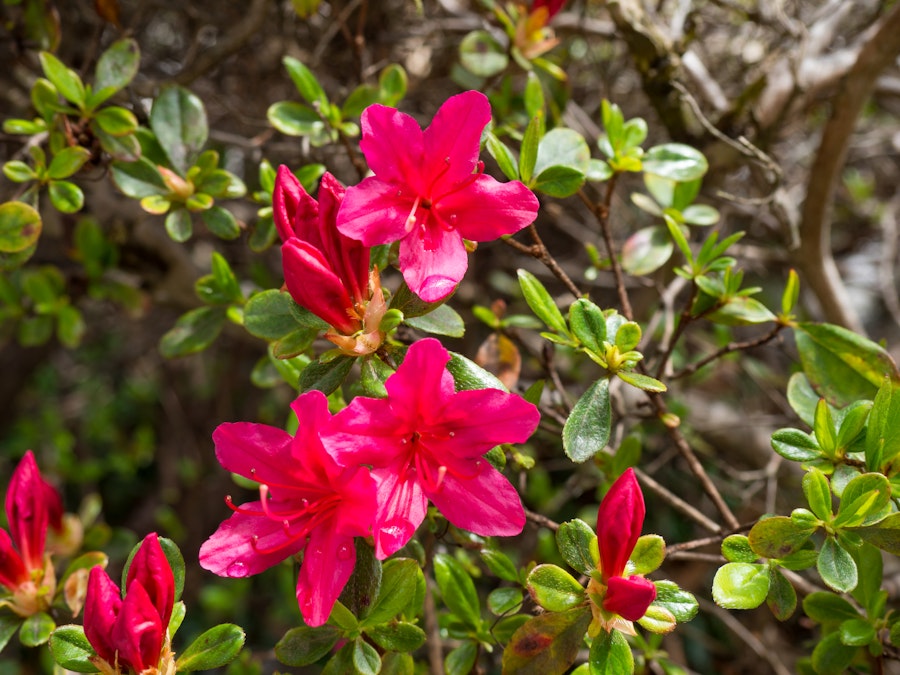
(619, 522)
(629, 597)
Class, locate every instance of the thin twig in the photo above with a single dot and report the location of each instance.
(677, 502)
(727, 349)
(541, 521)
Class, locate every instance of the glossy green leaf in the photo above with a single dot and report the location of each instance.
(500, 564)
(588, 324)
(831, 656)
(71, 649)
(65, 196)
(116, 121)
(827, 608)
(326, 377)
(547, 644)
(558, 181)
(461, 660)
(215, 648)
(885, 534)
(18, 171)
(70, 326)
(736, 548)
(392, 84)
(270, 315)
(740, 585)
(305, 81)
(675, 161)
(857, 632)
(587, 428)
(795, 445)
(610, 654)
(193, 332)
(541, 302)
(457, 589)
(700, 214)
(469, 375)
(837, 567)
(178, 120)
(647, 250)
(782, 598)
(398, 636)
(883, 431)
(502, 601)
(305, 645)
(295, 119)
(36, 629)
(529, 149)
(221, 223)
(64, 79)
(578, 546)
(561, 147)
(117, 66)
(504, 157)
(641, 381)
(534, 95)
(20, 227)
(396, 663)
(598, 171)
(842, 366)
(138, 179)
(67, 162)
(864, 501)
(554, 589)
(482, 55)
(178, 224)
(366, 660)
(648, 554)
(398, 585)
(442, 320)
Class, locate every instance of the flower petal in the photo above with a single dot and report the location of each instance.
(487, 209)
(486, 503)
(101, 607)
(392, 143)
(629, 597)
(247, 544)
(433, 266)
(452, 141)
(314, 285)
(424, 369)
(366, 432)
(296, 214)
(401, 509)
(138, 632)
(27, 512)
(619, 521)
(327, 565)
(376, 211)
(12, 569)
(255, 451)
(151, 569)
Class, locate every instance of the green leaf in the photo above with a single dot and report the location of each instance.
(598, 171)
(305, 81)
(126, 148)
(541, 302)
(392, 84)
(116, 121)
(682, 604)
(398, 636)
(648, 554)
(36, 629)
(366, 660)
(547, 644)
(885, 534)
(67, 162)
(802, 399)
(65, 80)
(588, 324)
(647, 250)
(883, 431)
(558, 181)
(296, 119)
(828, 608)
(468, 375)
(482, 55)
(65, 196)
(504, 157)
(178, 120)
(736, 548)
(18, 171)
(221, 223)
(499, 564)
(578, 546)
(529, 149)
(587, 428)
(70, 326)
(818, 493)
(610, 654)
(193, 332)
(71, 649)
(442, 320)
(740, 585)
(138, 179)
(675, 161)
(837, 567)
(782, 598)
(841, 365)
(534, 95)
(325, 377)
(641, 381)
(213, 649)
(865, 500)
(831, 656)
(461, 660)
(778, 537)
(857, 632)
(562, 147)
(178, 224)
(271, 315)
(796, 445)
(700, 214)
(20, 227)
(504, 600)
(395, 663)
(398, 585)
(457, 589)
(741, 310)
(304, 645)
(554, 589)
(45, 98)
(117, 66)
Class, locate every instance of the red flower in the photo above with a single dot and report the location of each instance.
(325, 271)
(619, 522)
(132, 634)
(32, 506)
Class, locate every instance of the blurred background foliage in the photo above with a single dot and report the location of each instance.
(126, 433)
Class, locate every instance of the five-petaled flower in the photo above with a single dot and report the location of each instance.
(427, 441)
(307, 503)
(325, 271)
(130, 635)
(32, 506)
(619, 599)
(429, 192)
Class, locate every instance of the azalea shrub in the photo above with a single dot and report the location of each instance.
(460, 431)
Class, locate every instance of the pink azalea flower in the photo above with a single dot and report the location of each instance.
(553, 6)
(619, 521)
(429, 192)
(427, 441)
(32, 506)
(307, 503)
(326, 272)
(132, 634)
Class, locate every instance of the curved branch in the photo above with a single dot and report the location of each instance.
(814, 258)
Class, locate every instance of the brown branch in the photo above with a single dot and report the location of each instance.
(539, 251)
(727, 349)
(677, 502)
(541, 521)
(814, 257)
